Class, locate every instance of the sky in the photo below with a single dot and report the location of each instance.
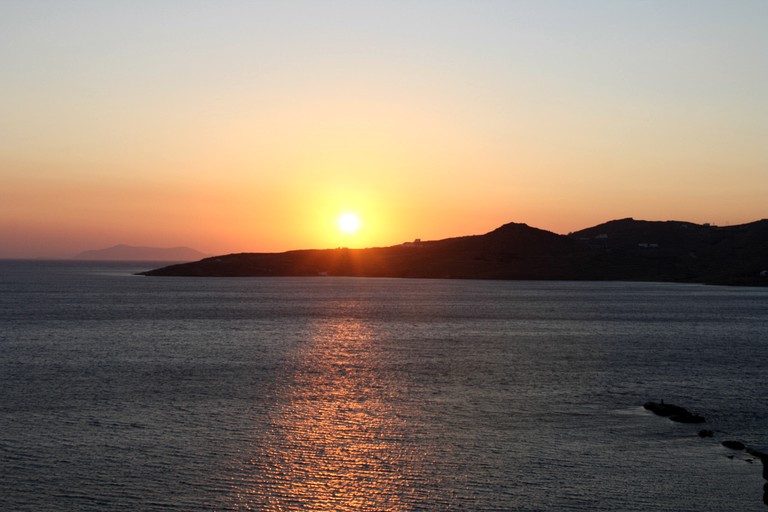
(237, 126)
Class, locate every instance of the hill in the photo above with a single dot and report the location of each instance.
(617, 250)
(133, 253)
(679, 251)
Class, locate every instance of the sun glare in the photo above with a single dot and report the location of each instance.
(349, 223)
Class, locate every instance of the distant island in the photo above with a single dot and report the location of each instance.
(619, 250)
(132, 253)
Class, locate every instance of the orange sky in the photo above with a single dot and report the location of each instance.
(251, 126)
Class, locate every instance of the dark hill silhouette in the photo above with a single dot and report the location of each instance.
(618, 250)
(679, 251)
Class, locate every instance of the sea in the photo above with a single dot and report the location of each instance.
(125, 392)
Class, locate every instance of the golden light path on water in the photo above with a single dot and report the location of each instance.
(335, 436)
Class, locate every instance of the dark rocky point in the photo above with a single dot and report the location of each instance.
(733, 445)
(666, 410)
(688, 418)
(674, 412)
(762, 454)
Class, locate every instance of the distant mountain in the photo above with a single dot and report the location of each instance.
(132, 253)
(624, 249)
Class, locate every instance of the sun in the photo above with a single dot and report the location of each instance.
(349, 222)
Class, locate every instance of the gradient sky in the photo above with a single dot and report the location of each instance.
(233, 126)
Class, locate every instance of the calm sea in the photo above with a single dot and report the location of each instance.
(120, 392)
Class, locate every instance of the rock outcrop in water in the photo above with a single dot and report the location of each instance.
(762, 454)
(734, 445)
(674, 412)
(626, 250)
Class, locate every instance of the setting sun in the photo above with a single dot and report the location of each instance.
(349, 222)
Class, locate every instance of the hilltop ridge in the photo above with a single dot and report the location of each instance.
(624, 249)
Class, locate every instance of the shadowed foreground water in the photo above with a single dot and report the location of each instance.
(121, 392)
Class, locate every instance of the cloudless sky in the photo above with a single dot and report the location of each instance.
(234, 126)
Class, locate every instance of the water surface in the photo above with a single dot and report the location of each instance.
(124, 392)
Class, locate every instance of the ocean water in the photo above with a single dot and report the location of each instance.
(121, 392)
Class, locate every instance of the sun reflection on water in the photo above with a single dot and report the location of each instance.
(335, 436)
